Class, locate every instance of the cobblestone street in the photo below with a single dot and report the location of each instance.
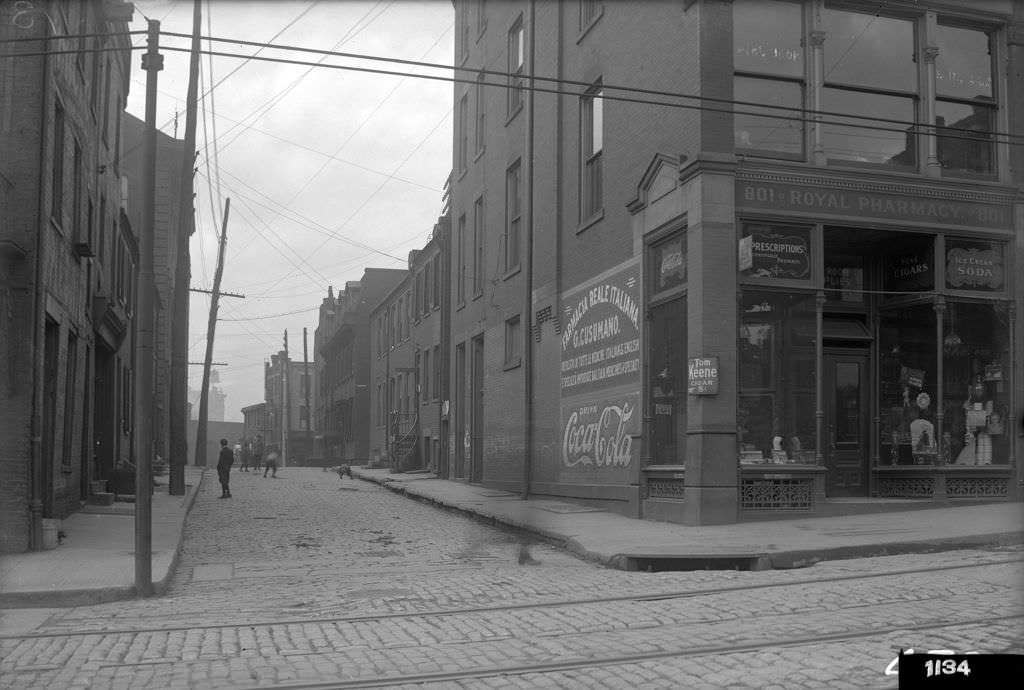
(311, 580)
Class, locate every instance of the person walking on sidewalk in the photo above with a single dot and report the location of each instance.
(271, 464)
(224, 462)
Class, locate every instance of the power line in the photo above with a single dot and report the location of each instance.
(798, 114)
(558, 81)
(275, 316)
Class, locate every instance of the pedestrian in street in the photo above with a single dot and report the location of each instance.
(224, 462)
(271, 464)
(246, 453)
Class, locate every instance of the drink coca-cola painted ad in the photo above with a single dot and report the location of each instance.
(601, 434)
(601, 370)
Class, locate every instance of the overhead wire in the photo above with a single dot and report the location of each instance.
(797, 114)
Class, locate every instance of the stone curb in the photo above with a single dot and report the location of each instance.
(781, 560)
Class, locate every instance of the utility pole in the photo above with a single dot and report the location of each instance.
(387, 388)
(286, 404)
(204, 393)
(152, 63)
(308, 385)
(182, 276)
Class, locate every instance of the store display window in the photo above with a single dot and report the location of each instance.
(776, 418)
(907, 389)
(974, 395)
(975, 358)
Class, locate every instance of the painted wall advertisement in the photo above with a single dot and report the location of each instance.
(600, 371)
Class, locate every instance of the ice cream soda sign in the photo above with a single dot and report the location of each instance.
(600, 370)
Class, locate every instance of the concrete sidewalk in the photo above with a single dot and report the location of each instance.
(95, 562)
(628, 543)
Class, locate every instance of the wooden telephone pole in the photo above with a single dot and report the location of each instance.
(152, 63)
(211, 327)
(182, 277)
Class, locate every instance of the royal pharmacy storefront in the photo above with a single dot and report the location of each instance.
(876, 341)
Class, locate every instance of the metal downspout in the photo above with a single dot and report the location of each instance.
(35, 468)
(527, 318)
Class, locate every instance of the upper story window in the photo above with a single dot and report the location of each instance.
(478, 246)
(769, 64)
(866, 72)
(481, 113)
(57, 182)
(463, 24)
(513, 215)
(870, 72)
(513, 341)
(462, 140)
(428, 290)
(516, 46)
(460, 261)
(965, 100)
(591, 146)
(437, 281)
(590, 11)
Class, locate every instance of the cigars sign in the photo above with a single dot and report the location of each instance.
(600, 370)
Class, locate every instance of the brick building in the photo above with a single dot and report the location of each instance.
(166, 255)
(342, 355)
(288, 399)
(67, 262)
(409, 429)
(725, 260)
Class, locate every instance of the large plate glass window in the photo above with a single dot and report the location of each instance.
(965, 107)
(777, 377)
(975, 372)
(769, 71)
(870, 72)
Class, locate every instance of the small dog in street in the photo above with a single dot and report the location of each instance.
(342, 471)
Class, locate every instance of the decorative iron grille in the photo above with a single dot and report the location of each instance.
(665, 488)
(906, 487)
(977, 487)
(777, 494)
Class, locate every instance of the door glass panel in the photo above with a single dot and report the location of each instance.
(847, 405)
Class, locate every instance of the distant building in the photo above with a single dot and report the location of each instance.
(342, 364)
(410, 426)
(288, 393)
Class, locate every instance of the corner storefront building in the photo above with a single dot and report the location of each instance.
(761, 260)
(867, 273)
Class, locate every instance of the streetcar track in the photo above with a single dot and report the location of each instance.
(620, 660)
(437, 613)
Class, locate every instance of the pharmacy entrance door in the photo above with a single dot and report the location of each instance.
(847, 418)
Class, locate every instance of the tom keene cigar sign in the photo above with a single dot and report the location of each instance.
(600, 377)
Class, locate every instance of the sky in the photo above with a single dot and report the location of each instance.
(328, 171)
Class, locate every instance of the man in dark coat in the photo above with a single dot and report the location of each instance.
(224, 462)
